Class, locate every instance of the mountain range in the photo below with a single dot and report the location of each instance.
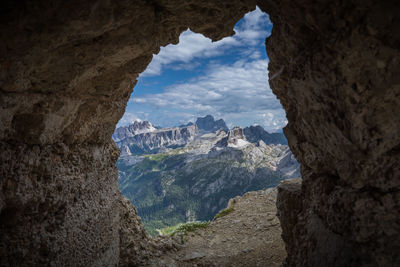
(189, 173)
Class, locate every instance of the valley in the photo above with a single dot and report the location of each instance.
(188, 173)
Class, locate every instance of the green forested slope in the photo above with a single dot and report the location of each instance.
(173, 188)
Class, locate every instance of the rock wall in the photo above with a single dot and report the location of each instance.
(334, 65)
(67, 71)
(289, 205)
(58, 205)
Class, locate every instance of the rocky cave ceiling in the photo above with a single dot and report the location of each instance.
(67, 71)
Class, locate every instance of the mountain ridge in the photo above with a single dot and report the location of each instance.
(142, 137)
(208, 123)
(179, 178)
(158, 140)
(137, 127)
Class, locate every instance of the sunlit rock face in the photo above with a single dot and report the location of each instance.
(158, 140)
(335, 68)
(138, 127)
(67, 71)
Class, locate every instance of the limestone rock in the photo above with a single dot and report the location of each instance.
(208, 124)
(67, 71)
(157, 140)
(342, 106)
(138, 127)
(136, 246)
(250, 235)
(289, 205)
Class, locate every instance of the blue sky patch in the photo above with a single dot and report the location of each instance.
(227, 79)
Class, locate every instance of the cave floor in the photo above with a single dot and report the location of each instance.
(250, 235)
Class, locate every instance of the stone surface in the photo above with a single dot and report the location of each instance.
(289, 205)
(67, 71)
(58, 205)
(136, 246)
(335, 68)
(250, 235)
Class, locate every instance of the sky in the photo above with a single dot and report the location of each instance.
(227, 79)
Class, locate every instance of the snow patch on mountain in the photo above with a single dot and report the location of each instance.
(238, 143)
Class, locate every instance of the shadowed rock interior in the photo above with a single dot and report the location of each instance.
(69, 67)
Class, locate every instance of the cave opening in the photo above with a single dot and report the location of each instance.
(67, 71)
(191, 139)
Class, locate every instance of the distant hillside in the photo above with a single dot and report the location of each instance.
(194, 175)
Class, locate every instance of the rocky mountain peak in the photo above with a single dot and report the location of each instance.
(236, 138)
(139, 127)
(236, 132)
(208, 124)
(141, 137)
(135, 128)
(154, 141)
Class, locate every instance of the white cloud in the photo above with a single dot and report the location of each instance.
(255, 55)
(255, 20)
(235, 92)
(192, 45)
